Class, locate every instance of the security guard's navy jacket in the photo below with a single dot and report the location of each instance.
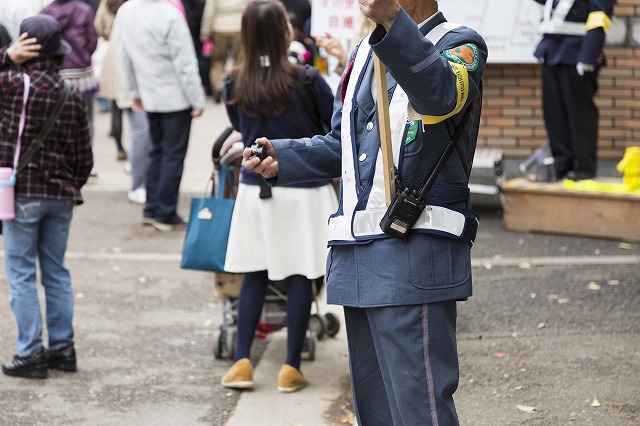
(366, 268)
(568, 47)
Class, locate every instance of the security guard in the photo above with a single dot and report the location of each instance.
(571, 54)
(399, 296)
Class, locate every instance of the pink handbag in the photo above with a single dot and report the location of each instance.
(8, 174)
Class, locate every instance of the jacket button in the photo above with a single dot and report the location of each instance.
(369, 126)
(362, 157)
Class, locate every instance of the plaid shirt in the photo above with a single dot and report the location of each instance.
(62, 166)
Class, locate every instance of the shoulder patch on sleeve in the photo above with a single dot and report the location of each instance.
(467, 55)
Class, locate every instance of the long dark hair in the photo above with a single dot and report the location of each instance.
(264, 77)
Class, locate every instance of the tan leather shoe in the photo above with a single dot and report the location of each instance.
(290, 379)
(239, 376)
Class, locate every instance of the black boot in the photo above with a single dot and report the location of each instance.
(32, 366)
(63, 359)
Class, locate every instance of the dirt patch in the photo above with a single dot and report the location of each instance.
(341, 411)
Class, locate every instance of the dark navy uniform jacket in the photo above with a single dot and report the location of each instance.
(424, 268)
(560, 49)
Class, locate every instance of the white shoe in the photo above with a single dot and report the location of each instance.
(138, 196)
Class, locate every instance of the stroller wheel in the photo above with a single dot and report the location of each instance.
(317, 327)
(229, 343)
(309, 346)
(217, 347)
(333, 324)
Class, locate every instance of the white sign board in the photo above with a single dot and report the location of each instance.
(340, 18)
(510, 27)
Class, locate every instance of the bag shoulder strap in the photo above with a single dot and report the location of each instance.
(430, 179)
(38, 141)
(306, 74)
(467, 162)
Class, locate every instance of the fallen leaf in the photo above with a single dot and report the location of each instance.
(525, 265)
(564, 300)
(593, 286)
(80, 295)
(625, 246)
(500, 354)
(552, 296)
(208, 323)
(613, 282)
(487, 266)
(526, 408)
(142, 280)
(518, 387)
(595, 402)
(542, 325)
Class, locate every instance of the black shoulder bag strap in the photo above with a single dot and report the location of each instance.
(306, 74)
(467, 162)
(38, 141)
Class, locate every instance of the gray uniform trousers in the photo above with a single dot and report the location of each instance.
(401, 384)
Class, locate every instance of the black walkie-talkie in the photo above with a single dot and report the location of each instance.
(402, 214)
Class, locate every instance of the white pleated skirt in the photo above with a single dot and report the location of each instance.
(285, 234)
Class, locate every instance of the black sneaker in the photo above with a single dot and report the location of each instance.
(63, 359)
(148, 218)
(32, 366)
(174, 224)
(147, 221)
(574, 175)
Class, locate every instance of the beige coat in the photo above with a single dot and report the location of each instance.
(113, 83)
(221, 16)
(104, 20)
(104, 23)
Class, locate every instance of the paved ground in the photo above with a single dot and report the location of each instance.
(553, 326)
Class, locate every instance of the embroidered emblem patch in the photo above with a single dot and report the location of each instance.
(467, 55)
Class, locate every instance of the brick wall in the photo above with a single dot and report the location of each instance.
(512, 111)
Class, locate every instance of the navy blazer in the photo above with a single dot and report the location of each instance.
(423, 268)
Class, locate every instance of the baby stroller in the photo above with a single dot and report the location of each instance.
(227, 151)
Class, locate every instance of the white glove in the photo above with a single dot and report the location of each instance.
(582, 68)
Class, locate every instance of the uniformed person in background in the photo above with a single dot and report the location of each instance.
(571, 54)
(399, 296)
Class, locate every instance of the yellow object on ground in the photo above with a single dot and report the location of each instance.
(628, 167)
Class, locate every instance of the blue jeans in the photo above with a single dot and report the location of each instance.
(139, 148)
(39, 232)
